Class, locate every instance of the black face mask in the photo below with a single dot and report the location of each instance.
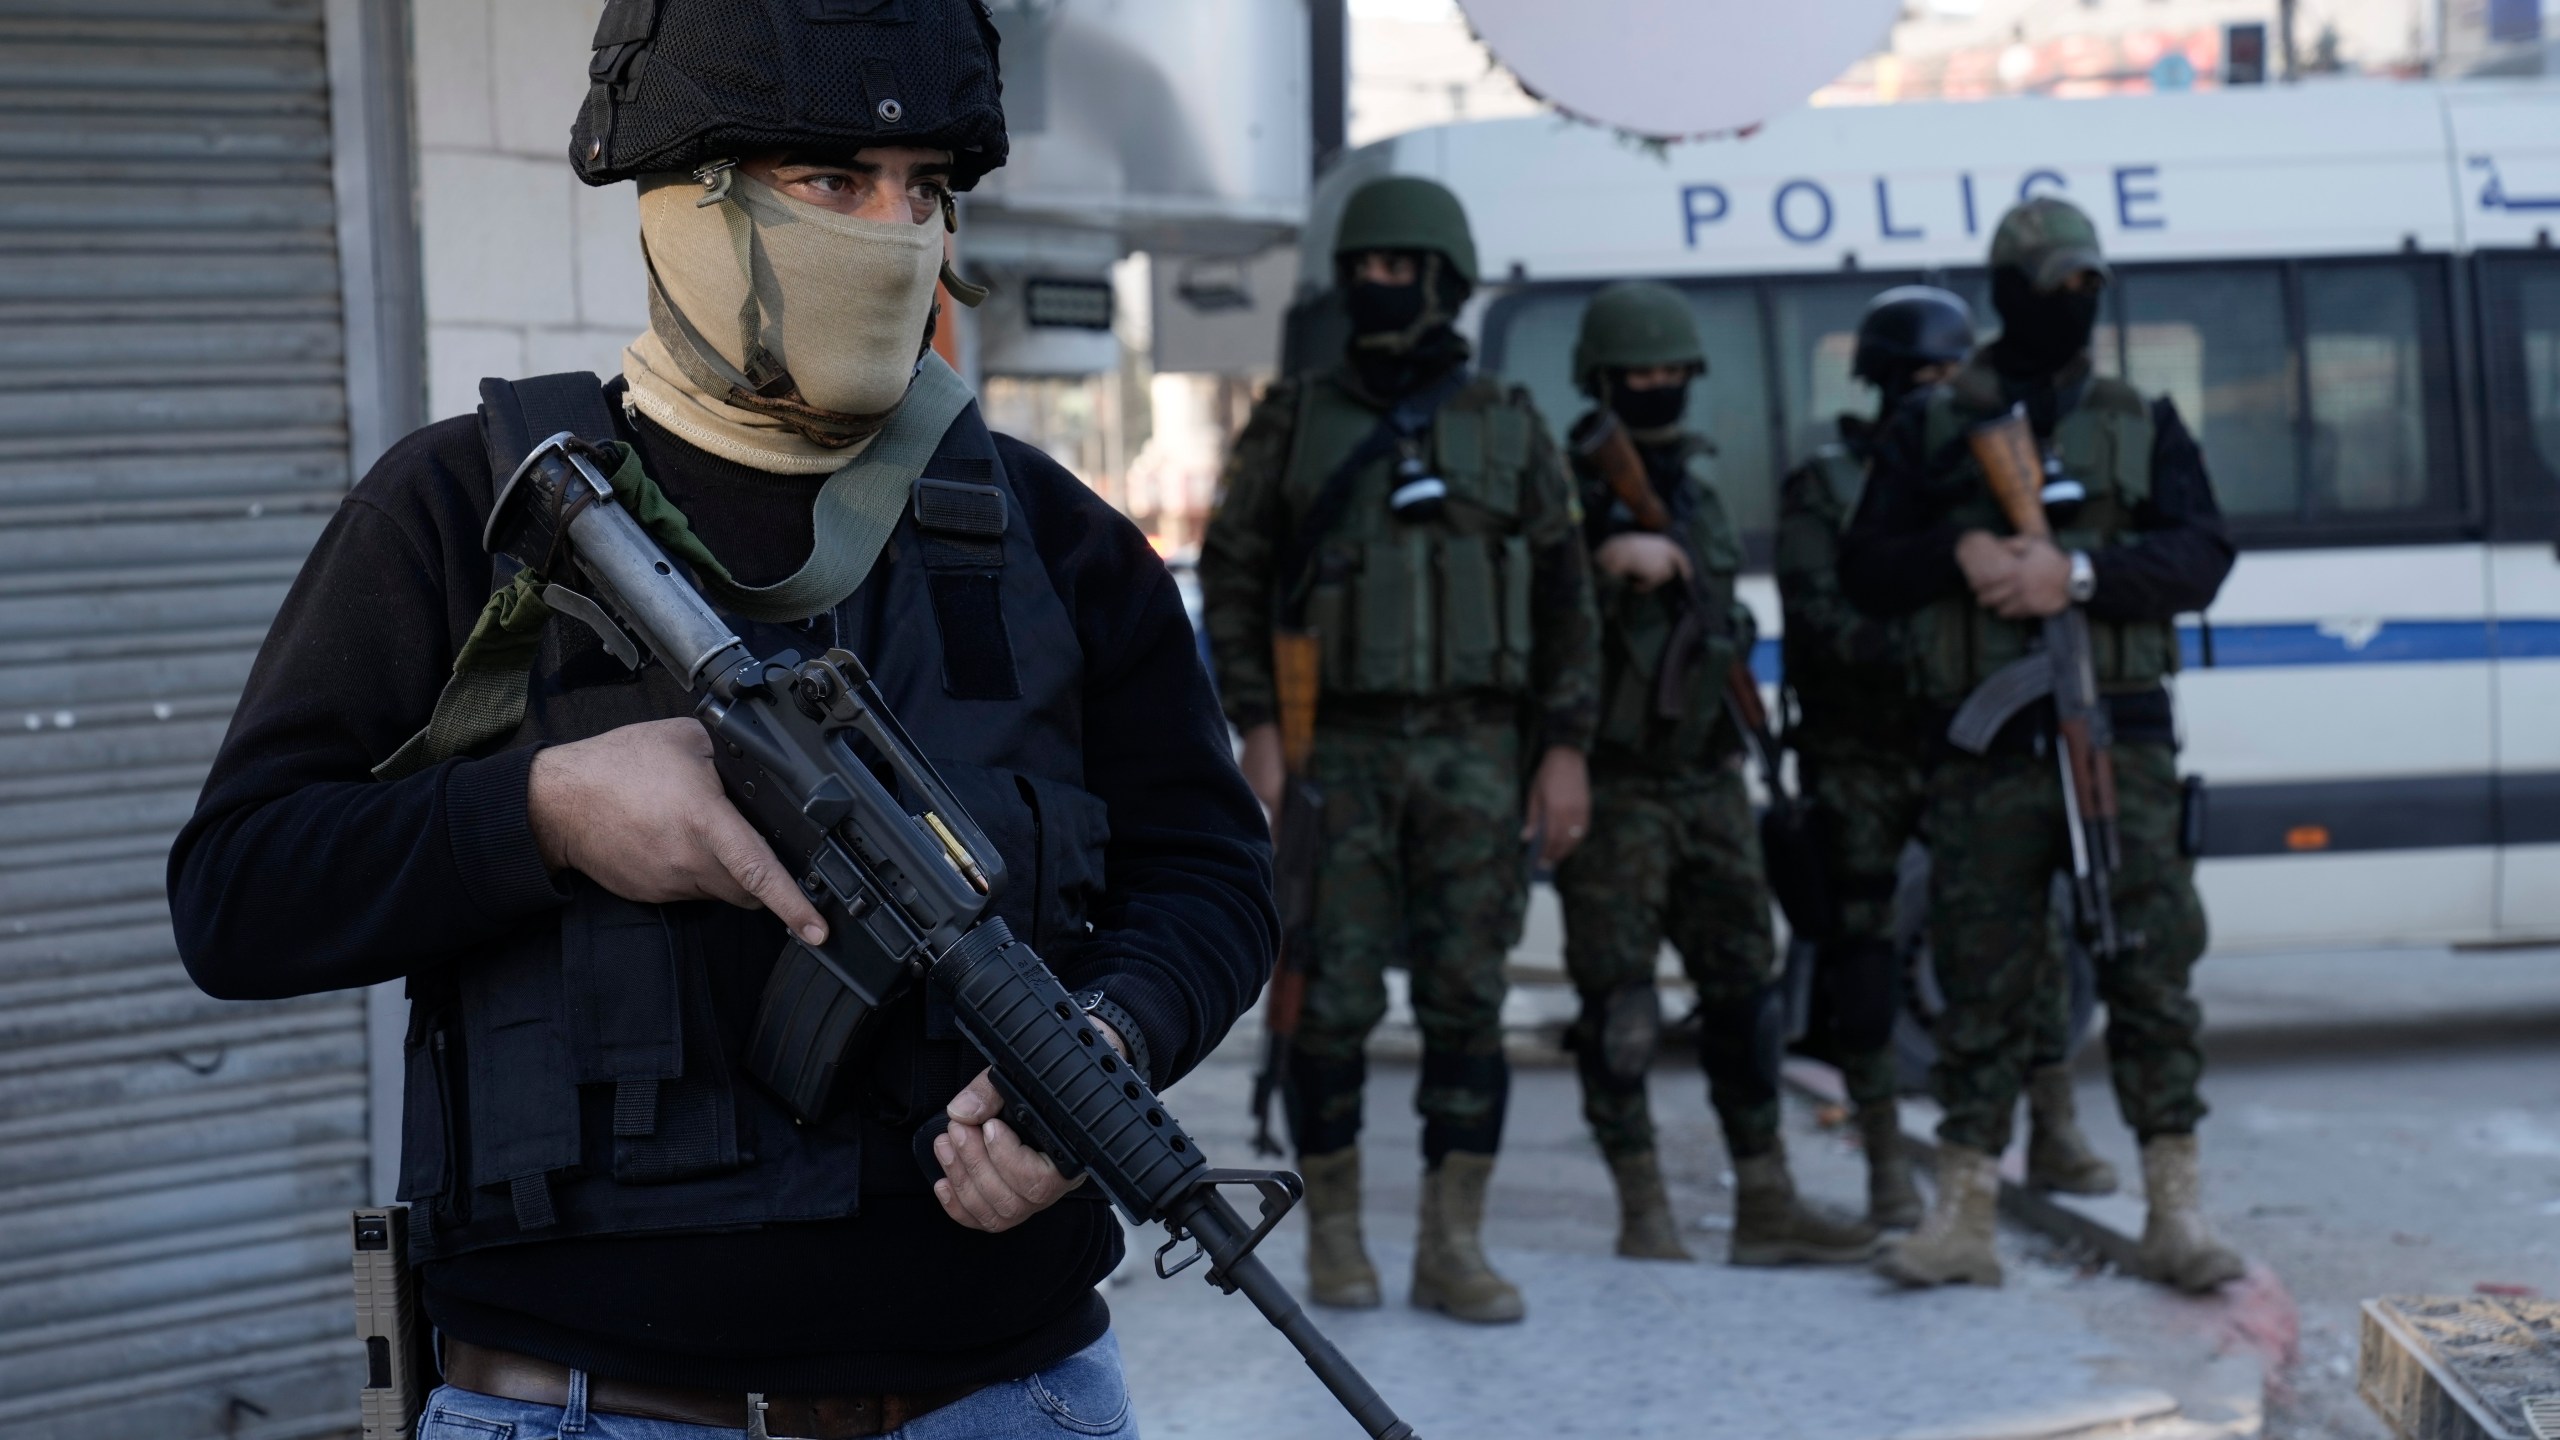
(2040, 331)
(1649, 409)
(1382, 309)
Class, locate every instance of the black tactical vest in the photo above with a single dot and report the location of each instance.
(582, 1076)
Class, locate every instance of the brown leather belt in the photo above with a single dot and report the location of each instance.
(510, 1376)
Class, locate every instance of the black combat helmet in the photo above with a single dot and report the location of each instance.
(676, 83)
(1907, 327)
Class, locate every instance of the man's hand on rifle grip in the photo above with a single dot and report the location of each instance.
(2015, 577)
(639, 811)
(991, 1180)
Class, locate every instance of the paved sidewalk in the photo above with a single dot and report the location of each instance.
(1625, 1348)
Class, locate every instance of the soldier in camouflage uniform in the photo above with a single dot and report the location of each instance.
(1862, 747)
(1443, 576)
(1673, 850)
(2142, 542)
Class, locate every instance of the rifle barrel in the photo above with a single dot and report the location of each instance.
(1221, 1232)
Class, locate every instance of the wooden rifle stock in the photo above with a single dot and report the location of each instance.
(2006, 450)
(1606, 446)
(1296, 673)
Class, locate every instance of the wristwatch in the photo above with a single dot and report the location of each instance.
(2084, 578)
(1122, 1023)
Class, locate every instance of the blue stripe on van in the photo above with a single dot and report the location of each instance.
(2394, 642)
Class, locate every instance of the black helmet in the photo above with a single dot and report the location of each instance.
(680, 82)
(1907, 327)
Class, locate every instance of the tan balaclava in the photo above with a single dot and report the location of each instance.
(782, 335)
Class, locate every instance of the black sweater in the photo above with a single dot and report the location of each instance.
(299, 873)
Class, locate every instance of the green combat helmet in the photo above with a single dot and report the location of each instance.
(1407, 212)
(1632, 326)
(2048, 241)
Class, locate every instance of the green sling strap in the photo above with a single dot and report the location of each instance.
(854, 514)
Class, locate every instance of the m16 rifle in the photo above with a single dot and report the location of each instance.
(904, 879)
(2061, 669)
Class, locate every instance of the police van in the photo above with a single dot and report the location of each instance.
(2351, 292)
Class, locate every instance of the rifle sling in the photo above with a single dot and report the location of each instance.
(854, 513)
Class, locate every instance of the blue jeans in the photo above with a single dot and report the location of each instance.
(1083, 1394)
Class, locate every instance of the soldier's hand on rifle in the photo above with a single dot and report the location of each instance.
(639, 811)
(991, 1180)
(1559, 804)
(2037, 582)
(1644, 560)
(1264, 769)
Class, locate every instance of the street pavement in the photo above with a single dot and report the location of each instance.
(2385, 1122)
(1633, 1348)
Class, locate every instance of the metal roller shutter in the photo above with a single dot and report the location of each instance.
(175, 1171)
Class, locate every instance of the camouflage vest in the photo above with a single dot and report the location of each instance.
(1638, 720)
(1416, 610)
(2104, 442)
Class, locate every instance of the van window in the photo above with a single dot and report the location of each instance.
(2321, 392)
(2214, 341)
(2520, 344)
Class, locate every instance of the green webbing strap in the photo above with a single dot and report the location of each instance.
(853, 516)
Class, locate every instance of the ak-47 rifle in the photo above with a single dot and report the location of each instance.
(1787, 841)
(2062, 669)
(907, 882)
(1297, 843)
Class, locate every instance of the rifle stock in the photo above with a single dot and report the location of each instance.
(2006, 450)
(1606, 446)
(1296, 847)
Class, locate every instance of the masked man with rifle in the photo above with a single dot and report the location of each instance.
(1863, 745)
(1673, 850)
(2041, 525)
(1405, 529)
(613, 1212)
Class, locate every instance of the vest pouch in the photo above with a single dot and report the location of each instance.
(426, 1119)
(1635, 635)
(1471, 614)
(641, 1021)
(1391, 629)
(1480, 453)
(2133, 654)
(1511, 669)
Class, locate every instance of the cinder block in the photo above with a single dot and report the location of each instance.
(458, 356)
(495, 236)
(539, 52)
(613, 283)
(450, 70)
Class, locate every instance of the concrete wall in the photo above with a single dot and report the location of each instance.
(527, 271)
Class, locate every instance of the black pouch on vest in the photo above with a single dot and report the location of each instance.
(961, 524)
(640, 1020)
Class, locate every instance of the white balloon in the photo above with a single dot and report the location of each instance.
(1673, 68)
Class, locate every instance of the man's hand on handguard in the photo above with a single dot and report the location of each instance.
(991, 1180)
(639, 811)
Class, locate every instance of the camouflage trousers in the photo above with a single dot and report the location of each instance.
(1871, 797)
(1673, 857)
(1996, 827)
(1867, 798)
(1422, 866)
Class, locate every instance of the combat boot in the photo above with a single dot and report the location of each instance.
(1450, 1273)
(2178, 1247)
(1957, 1242)
(1893, 1202)
(2058, 1154)
(1772, 1227)
(1338, 1268)
(1646, 1230)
